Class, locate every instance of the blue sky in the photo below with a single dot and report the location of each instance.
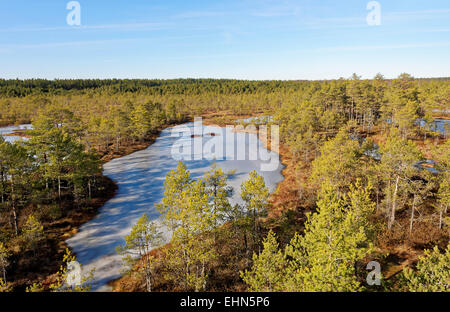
(242, 39)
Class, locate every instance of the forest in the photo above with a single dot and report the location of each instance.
(366, 178)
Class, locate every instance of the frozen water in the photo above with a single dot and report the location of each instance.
(140, 177)
(11, 130)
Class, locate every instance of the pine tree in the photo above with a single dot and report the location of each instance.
(335, 239)
(55, 150)
(398, 157)
(216, 183)
(174, 185)
(70, 277)
(441, 157)
(255, 194)
(338, 162)
(16, 167)
(268, 272)
(402, 109)
(4, 262)
(32, 233)
(443, 201)
(186, 211)
(141, 120)
(144, 236)
(326, 257)
(432, 272)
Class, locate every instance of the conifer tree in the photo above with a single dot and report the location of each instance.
(432, 273)
(398, 157)
(4, 262)
(16, 167)
(335, 239)
(32, 233)
(255, 194)
(268, 273)
(144, 236)
(216, 183)
(402, 109)
(186, 211)
(326, 257)
(338, 162)
(174, 186)
(141, 120)
(70, 277)
(443, 201)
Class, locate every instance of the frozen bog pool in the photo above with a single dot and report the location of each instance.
(6, 132)
(140, 177)
(439, 125)
(12, 129)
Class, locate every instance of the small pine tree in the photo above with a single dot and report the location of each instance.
(443, 201)
(32, 233)
(70, 277)
(4, 286)
(398, 157)
(216, 183)
(335, 239)
(268, 270)
(432, 272)
(186, 210)
(4, 263)
(326, 256)
(144, 236)
(255, 194)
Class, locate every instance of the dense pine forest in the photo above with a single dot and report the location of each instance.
(358, 187)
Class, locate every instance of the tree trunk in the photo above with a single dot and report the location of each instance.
(394, 204)
(89, 189)
(148, 280)
(378, 200)
(4, 274)
(203, 275)
(411, 222)
(3, 190)
(59, 187)
(247, 252)
(13, 203)
(441, 216)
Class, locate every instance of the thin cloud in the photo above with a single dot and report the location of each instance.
(199, 14)
(130, 26)
(385, 47)
(277, 12)
(9, 47)
(423, 12)
(416, 15)
(336, 22)
(310, 50)
(358, 21)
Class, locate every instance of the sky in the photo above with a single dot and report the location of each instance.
(238, 39)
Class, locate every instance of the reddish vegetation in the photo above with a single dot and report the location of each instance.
(24, 269)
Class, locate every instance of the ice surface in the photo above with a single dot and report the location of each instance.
(11, 130)
(439, 125)
(140, 177)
